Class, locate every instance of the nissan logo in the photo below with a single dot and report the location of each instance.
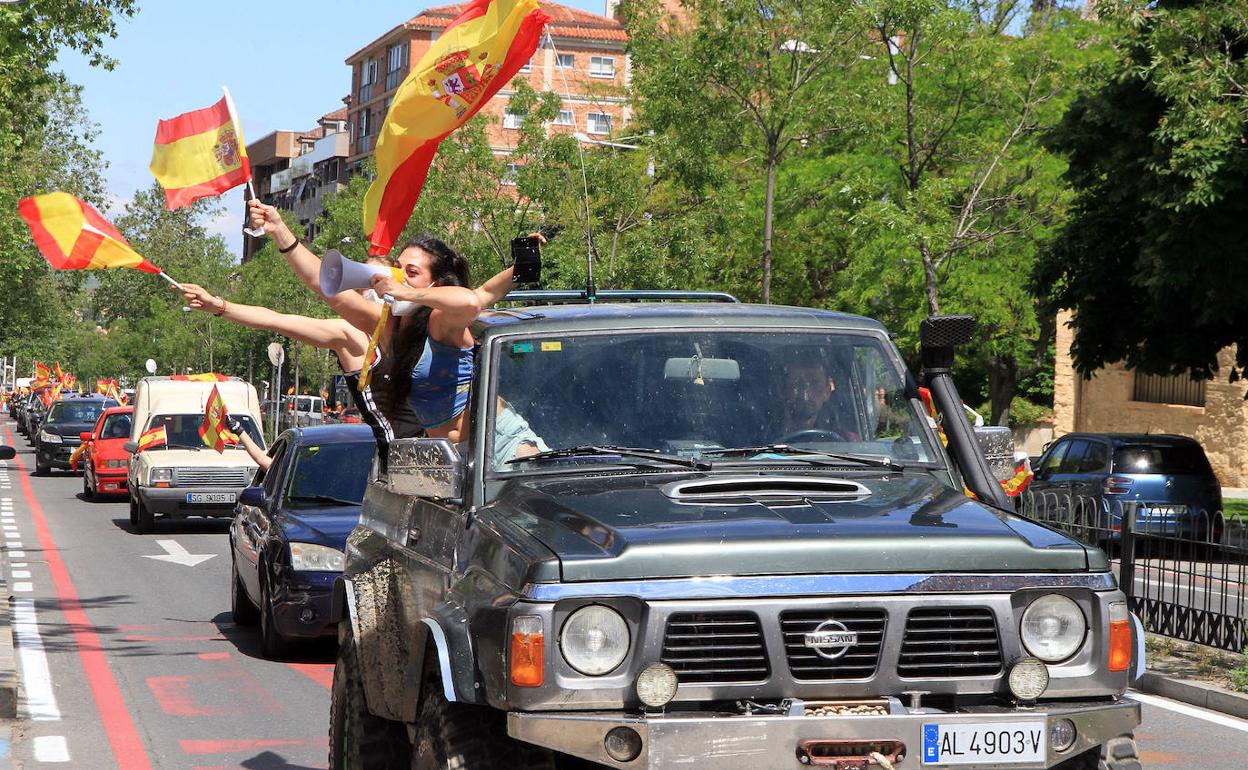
(831, 639)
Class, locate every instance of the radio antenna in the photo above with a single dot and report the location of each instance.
(591, 291)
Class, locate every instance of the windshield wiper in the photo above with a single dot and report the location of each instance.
(622, 451)
(322, 499)
(784, 449)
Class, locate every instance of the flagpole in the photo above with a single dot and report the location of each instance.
(165, 275)
(254, 232)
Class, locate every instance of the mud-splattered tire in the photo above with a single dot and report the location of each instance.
(452, 736)
(1118, 753)
(357, 738)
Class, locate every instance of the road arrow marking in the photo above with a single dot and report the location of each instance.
(178, 555)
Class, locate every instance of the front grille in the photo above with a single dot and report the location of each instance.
(950, 642)
(715, 647)
(858, 662)
(210, 477)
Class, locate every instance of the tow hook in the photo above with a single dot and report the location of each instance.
(851, 755)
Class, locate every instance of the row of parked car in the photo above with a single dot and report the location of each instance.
(289, 520)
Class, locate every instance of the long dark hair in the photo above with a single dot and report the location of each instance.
(408, 342)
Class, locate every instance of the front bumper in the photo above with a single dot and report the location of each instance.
(172, 501)
(55, 455)
(301, 604)
(111, 483)
(736, 742)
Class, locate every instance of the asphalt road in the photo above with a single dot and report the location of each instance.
(132, 662)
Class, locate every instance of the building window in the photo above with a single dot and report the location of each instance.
(1161, 389)
(512, 119)
(365, 123)
(598, 123)
(509, 176)
(565, 61)
(396, 65)
(368, 76)
(601, 67)
(565, 118)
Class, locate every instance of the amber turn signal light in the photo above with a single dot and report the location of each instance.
(1119, 637)
(527, 651)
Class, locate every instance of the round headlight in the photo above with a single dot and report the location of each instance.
(1062, 735)
(594, 640)
(1029, 678)
(1053, 628)
(656, 685)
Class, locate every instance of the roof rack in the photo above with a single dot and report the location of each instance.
(576, 297)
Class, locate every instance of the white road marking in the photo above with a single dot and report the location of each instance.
(36, 679)
(51, 748)
(1191, 711)
(14, 544)
(21, 573)
(24, 588)
(17, 554)
(20, 564)
(177, 554)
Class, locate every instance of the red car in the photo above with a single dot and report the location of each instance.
(104, 462)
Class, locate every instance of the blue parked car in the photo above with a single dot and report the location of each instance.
(290, 530)
(1168, 476)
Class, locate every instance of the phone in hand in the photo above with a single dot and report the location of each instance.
(526, 258)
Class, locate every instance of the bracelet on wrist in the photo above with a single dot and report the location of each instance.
(289, 248)
(221, 310)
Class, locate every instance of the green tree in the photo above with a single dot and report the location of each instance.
(1150, 260)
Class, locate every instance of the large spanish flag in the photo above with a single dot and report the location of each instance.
(477, 54)
(213, 431)
(200, 154)
(73, 236)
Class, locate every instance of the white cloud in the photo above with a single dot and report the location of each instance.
(229, 225)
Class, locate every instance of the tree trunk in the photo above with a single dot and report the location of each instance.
(1002, 383)
(768, 206)
(929, 277)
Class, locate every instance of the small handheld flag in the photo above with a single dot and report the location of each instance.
(200, 154)
(214, 432)
(153, 438)
(73, 236)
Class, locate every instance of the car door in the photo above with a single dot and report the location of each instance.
(1047, 468)
(251, 523)
(1089, 479)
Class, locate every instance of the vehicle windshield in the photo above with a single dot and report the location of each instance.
(695, 394)
(182, 430)
(115, 426)
(330, 474)
(77, 411)
(1161, 458)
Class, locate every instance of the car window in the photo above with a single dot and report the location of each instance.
(1053, 460)
(71, 412)
(323, 473)
(182, 430)
(1161, 458)
(115, 426)
(1095, 458)
(1074, 457)
(268, 479)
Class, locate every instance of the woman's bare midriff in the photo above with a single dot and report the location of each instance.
(456, 430)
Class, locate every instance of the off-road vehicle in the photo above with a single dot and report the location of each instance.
(715, 535)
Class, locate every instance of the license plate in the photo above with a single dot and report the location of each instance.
(210, 497)
(984, 742)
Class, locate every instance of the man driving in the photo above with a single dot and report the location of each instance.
(805, 389)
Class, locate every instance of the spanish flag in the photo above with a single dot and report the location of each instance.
(153, 438)
(42, 372)
(60, 373)
(73, 236)
(201, 377)
(105, 387)
(200, 154)
(477, 54)
(213, 431)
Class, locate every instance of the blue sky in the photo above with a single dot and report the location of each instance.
(282, 61)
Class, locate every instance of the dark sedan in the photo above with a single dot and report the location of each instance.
(60, 433)
(289, 532)
(1167, 477)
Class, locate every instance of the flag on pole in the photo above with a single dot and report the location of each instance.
(73, 236)
(201, 377)
(199, 154)
(214, 432)
(60, 373)
(105, 387)
(153, 438)
(76, 455)
(477, 54)
(42, 378)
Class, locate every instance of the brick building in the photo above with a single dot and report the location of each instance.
(583, 58)
(295, 170)
(1117, 399)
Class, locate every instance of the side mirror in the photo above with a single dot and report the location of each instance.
(131, 446)
(253, 496)
(84, 436)
(426, 467)
(997, 444)
(7, 452)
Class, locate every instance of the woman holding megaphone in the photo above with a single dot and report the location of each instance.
(427, 360)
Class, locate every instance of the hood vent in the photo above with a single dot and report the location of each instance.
(720, 487)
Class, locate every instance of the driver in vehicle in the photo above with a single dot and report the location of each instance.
(809, 393)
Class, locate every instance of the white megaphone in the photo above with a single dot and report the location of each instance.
(339, 274)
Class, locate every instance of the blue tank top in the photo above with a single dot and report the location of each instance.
(440, 383)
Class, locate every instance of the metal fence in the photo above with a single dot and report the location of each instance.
(1184, 571)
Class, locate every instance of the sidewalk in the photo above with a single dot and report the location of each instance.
(1235, 493)
(1194, 674)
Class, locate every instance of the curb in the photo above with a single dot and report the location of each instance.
(1195, 694)
(9, 683)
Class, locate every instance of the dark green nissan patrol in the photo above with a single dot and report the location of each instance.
(718, 536)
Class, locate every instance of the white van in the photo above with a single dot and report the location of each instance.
(183, 477)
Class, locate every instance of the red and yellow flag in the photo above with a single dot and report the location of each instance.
(76, 455)
(199, 154)
(60, 373)
(42, 378)
(105, 387)
(201, 377)
(214, 432)
(153, 438)
(477, 54)
(73, 236)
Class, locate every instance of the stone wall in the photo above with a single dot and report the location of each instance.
(1103, 404)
